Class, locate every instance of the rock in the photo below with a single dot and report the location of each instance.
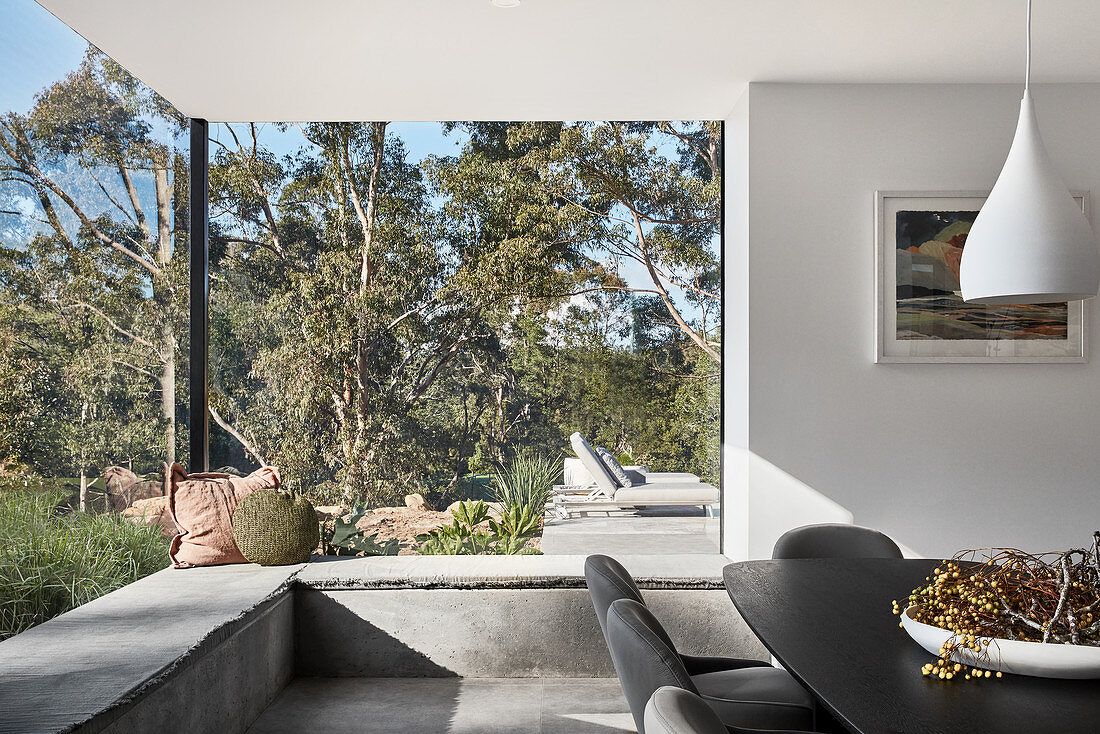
(402, 523)
(152, 512)
(124, 487)
(328, 512)
(416, 501)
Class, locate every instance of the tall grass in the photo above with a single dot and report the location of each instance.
(527, 481)
(52, 563)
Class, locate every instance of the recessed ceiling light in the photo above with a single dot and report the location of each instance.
(505, 3)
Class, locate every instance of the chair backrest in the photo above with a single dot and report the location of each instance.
(833, 540)
(608, 582)
(643, 659)
(675, 711)
(593, 463)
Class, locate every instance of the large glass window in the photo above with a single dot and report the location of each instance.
(402, 308)
(407, 318)
(93, 316)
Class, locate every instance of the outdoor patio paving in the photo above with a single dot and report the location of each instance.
(452, 705)
(657, 531)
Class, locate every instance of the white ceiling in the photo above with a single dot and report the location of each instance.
(262, 60)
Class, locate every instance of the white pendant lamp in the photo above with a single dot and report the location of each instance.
(1031, 243)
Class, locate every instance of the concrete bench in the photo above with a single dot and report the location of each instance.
(208, 649)
(102, 667)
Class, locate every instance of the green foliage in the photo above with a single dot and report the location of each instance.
(527, 481)
(91, 282)
(487, 313)
(379, 325)
(51, 563)
(518, 521)
(470, 514)
(464, 536)
(476, 486)
(341, 537)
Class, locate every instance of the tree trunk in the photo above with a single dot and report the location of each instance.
(244, 442)
(168, 397)
(166, 301)
(666, 299)
(83, 460)
(498, 440)
(368, 214)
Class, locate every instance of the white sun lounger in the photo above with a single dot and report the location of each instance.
(655, 489)
(577, 476)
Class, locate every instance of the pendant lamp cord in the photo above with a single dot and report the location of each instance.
(1027, 68)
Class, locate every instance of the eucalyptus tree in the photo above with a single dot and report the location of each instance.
(522, 258)
(383, 328)
(660, 211)
(646, 196)
(377, 321)
(96, 161)
(339, 242)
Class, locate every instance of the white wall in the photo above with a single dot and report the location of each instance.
(939, 456)
(760, 502)
(735, 332)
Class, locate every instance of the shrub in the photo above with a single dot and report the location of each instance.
(527, 481)
(51, 563)
(327, 494)
(508, 536)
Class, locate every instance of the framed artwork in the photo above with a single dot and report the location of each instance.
(919, 313)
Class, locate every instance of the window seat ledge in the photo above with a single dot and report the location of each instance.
(82, 670)
(687, 571)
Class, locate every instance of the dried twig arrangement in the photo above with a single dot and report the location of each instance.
(1012, 595)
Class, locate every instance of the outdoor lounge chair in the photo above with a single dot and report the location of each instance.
(655, 489)
(576, 475)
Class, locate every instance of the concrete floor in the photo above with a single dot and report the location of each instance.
(448, 705)
(656, 531)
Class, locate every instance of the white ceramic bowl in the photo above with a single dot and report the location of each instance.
(1040, 659)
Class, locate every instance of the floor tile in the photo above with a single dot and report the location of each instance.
(451, 705)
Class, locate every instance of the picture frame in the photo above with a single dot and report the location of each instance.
(919, 315)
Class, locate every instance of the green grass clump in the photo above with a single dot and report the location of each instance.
(51, 563)
(526, 482)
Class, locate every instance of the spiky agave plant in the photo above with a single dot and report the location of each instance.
(527, 481)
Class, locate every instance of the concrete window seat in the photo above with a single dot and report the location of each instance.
(209, 649)
(105, 666)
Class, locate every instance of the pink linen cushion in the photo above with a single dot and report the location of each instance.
(202, 507)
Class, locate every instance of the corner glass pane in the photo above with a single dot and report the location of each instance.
(403, 314)
(93, 317)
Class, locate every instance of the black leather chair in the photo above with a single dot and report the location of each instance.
(834, 540)
(678, 711)
(752, 698)
(608, 582)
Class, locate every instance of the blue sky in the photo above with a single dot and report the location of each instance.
(35, 49)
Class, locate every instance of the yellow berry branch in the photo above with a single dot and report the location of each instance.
(1006, 593)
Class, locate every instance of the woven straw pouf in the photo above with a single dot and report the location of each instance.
(275, 528)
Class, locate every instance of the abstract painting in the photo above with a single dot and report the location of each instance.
(921, 314)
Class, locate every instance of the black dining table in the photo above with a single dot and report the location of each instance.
(829, 622)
